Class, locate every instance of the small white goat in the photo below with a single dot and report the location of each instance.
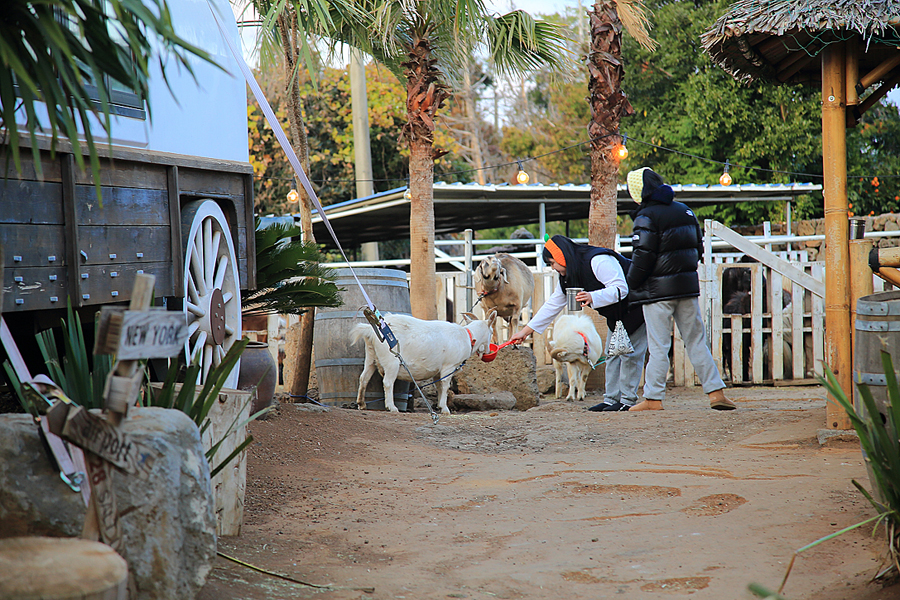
(505, 284)
(431, 350)
(577, 344)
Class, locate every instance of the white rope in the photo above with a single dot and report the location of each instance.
(285, 144)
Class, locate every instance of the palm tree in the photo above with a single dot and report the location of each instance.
(608, 105)
(429, 44)
(63, 52)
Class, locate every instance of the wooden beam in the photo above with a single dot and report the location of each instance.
(878, 94)
(837, 230)
(796, 67)
(174, 195)
(70, 216)
(851, 68)
(767, 258)
(251, 231)
(880, 71)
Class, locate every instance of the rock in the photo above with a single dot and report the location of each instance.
(806, 228)
(168, 523)
(492, 401)
(891, 226)
(820, 226)
(514, 370)
(546, 379)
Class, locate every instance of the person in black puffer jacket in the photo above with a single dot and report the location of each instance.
(666, 246)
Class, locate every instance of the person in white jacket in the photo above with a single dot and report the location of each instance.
(601, 273)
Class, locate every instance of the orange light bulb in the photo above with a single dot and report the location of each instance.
(725, 179)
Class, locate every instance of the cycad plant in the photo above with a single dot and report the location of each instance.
(881, 450)
(289, 277)
(79, 375)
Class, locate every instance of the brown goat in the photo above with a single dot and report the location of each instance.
(505, 284)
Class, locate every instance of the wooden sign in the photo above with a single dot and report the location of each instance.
(106, 441)
(133, 335)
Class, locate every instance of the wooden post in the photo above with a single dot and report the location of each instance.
(141, 297)
(860, 280)
(837, 230)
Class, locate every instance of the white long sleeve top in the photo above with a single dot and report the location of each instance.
(607, 270)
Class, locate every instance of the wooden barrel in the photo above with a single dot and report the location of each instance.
(877, 327)
(338, 363)
(61, 569)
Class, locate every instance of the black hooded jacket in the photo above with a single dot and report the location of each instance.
(667, 244)
(579, 274)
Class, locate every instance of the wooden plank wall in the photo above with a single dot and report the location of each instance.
(61, 240)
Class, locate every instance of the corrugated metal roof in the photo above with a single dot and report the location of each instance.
(461, 206)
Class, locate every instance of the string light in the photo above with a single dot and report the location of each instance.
(725, 178)
(521, 176)
(293, 196)
(576, 145)
(407, 194)
(622, 150)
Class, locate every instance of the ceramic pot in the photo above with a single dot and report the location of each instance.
(258, 369)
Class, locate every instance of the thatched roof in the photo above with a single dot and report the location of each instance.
(779, 40)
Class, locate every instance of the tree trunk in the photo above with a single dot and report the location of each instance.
(424, 96)
(608, 105)
(423, 278)
(286, 25)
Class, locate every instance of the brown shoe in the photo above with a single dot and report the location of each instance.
(647, 405)
(718, 401)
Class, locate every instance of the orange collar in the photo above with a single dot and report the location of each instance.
(585, 352)
(471, 339)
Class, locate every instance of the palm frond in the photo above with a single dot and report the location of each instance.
(519, 43)
(289, 277)
(633, 14)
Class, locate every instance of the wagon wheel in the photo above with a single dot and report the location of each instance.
(212, 294)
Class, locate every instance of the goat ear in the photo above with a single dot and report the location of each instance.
(503, 275)
(491, 318)
(469, 317)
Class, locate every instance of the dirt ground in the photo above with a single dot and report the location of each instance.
(554, 502)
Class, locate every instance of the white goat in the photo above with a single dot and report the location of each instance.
(505, 284)
(431, 350)
(577, 344)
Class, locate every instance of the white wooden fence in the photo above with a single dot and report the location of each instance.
(800, 326)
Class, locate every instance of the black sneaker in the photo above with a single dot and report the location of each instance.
(603, 406)
(617, 407)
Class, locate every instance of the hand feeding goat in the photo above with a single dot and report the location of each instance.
(431, 350)
(505, 284)
(577, 344)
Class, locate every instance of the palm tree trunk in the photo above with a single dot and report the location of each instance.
(423, 278)
(608, 105)
(287, 27)
(424, 96)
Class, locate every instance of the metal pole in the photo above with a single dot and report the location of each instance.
(362, 149)
(860, 272)
(789, 230)
(542, 231)
(837, 230)
(467, 234)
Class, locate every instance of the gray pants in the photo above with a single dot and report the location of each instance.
(658, 319)
(623, 373)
